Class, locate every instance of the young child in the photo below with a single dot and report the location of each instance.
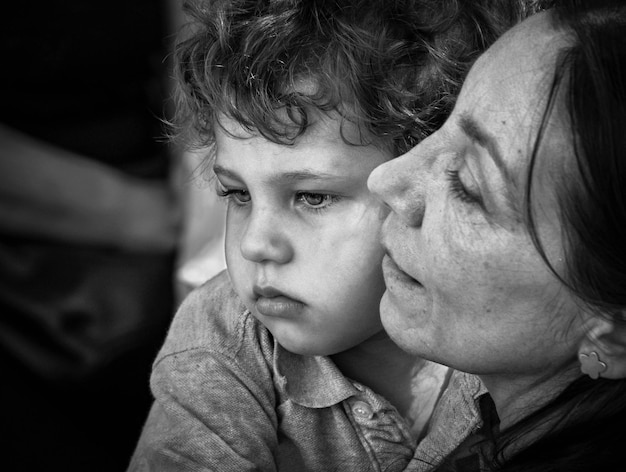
(281, 363)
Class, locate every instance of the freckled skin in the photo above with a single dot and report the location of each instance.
(469, 288)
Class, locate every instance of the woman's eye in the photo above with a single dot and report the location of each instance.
(316, 201)
(459, 191)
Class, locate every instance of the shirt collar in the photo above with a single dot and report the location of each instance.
(474, 388)
(310, 381)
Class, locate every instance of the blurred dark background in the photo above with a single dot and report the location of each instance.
(89, 222)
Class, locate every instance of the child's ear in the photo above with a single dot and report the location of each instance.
(602, 353)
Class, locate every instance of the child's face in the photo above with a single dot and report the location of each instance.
(302, 234)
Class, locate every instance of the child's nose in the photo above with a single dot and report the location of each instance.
(400, 184)
(265, 239)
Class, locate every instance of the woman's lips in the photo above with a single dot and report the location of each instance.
(278, 306)
(393, 274)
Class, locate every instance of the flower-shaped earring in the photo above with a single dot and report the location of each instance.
(591, 364)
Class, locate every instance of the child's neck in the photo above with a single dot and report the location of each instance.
(382, 366)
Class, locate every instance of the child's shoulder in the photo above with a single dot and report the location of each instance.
(213, 317)
(217, 296)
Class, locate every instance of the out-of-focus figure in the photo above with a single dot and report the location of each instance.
(88, 228)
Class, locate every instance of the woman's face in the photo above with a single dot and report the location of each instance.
(465, 285)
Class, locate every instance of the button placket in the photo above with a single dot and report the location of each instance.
(381, 433)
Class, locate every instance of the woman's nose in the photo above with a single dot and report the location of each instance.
(265, 238)
(400, 184)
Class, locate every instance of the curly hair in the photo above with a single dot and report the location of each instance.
(394, 67)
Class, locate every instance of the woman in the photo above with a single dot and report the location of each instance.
(506, 251)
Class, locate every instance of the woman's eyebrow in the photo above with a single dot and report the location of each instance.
(482, 137)
(479, 135)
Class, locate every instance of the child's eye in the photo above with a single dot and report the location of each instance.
(459, 191)
(237, 196)
(316, 201)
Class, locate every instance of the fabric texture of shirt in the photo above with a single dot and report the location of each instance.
(229, 398)
(457, 416)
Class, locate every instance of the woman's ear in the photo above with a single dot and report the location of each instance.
(602, 352)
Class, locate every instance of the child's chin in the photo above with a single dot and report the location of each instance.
(302, 348)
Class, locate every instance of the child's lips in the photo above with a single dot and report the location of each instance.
(272, 302)
(278, 306)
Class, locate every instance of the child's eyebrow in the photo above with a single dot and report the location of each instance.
(289, 177)
(297, 176)
(219, 170)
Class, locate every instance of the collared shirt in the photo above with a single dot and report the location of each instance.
(229, 398)
(456, 418)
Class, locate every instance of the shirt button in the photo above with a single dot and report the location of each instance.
(362, 410)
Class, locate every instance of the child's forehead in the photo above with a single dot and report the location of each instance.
(322, 153)
(321, 127)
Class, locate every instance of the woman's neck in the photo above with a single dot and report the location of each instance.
(516, 397)
(382, 366)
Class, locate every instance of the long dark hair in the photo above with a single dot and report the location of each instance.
(590, 76)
